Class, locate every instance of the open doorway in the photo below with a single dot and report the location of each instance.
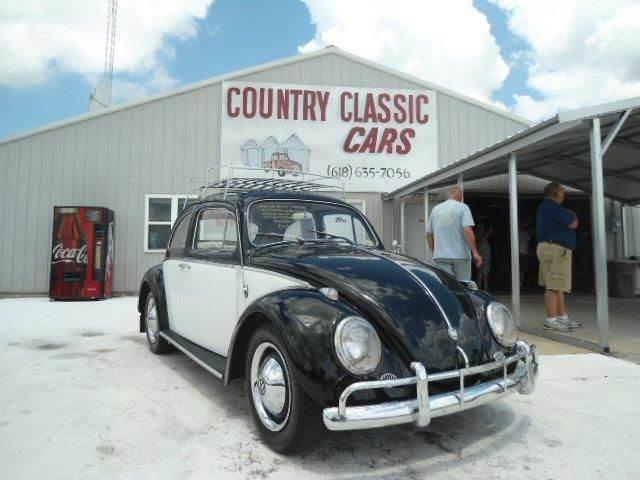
(492, 210)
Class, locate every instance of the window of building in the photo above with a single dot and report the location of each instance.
(161, 212)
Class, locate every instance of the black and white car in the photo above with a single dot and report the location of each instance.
(293, 291)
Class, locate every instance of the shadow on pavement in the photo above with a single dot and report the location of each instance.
(403, 452)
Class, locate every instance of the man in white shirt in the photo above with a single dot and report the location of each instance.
(450, 236)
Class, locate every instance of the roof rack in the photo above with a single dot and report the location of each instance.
(211, 182)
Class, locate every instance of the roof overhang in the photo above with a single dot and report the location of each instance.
(559, 149)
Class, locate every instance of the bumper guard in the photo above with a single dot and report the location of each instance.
(424, 407)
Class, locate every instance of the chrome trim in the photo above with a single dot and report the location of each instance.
(424, 407)
(422, 387)
(276, 395)
(152, 319)
(463, 371)
(450, 330)
(191, 355)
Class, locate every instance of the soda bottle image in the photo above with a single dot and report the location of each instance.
(68, 255)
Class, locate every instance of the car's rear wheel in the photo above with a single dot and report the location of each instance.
(283, 412)
(156, 343)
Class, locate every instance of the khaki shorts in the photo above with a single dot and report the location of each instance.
(555, 266)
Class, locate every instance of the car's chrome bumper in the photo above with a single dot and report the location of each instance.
(424, 407)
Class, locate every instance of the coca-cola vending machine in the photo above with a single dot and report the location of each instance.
(81, 253)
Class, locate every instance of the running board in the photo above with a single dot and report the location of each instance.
(212, 362)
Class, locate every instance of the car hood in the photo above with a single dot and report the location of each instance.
(413, 304)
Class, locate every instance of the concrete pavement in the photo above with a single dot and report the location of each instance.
(82, 397)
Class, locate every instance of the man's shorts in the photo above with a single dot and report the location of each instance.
(555, 266)
(458, 267)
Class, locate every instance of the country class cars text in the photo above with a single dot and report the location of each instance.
(311, 105)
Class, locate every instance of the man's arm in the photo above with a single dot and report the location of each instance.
(429, 232)
(471, 241)
(566, 217)
(574, 224)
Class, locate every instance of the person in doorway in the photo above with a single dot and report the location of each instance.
(450, 236)
(484, 249)
(524, 240)
(556, 240)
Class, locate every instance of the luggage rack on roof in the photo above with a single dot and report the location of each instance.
(205, 183)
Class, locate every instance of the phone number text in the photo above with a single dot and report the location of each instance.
(348, 171)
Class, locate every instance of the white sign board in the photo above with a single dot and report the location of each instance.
(376, 140)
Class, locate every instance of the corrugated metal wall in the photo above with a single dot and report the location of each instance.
(115, 159)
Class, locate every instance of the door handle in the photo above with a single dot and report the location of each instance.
(184, 266)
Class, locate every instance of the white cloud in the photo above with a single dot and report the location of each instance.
(447, 43)
(40, 38)
(155, 81)
(581, 53)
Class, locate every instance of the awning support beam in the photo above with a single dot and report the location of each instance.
(599, 234)
(616, 128)
(515, 243)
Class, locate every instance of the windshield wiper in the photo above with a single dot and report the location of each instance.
(330, 235)
(274, 234)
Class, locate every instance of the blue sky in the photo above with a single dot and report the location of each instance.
(234, 34)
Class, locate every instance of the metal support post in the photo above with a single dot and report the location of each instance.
(599, 233)
(460, 181)
(402, 225)
(426, 221)
(625, 245)
(515, 243)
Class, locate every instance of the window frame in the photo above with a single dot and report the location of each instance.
(358, 201)
(229, 257)
(175, 213)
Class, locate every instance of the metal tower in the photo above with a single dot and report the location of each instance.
(101, 96)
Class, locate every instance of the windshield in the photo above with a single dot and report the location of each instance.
(273, 221)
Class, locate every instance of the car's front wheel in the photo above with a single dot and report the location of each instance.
(285, 415)
(156, 343)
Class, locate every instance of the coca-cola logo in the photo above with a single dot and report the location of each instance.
(69, 255)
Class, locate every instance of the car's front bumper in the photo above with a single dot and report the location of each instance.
(424, 407)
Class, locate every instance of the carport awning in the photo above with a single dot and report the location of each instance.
(559, 149)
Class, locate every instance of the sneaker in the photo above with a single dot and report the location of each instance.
(555, 324)
(569, 322)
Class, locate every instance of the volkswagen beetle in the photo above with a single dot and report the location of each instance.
(294, 292)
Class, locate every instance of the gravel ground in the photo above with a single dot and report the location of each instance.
(82, 397)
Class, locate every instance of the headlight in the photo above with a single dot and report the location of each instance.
(357, 345)
(502, 324)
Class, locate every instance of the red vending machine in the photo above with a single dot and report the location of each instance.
(81, 253)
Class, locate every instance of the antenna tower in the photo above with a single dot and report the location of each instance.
(101, 97)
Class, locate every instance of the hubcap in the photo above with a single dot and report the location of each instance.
(152, 319)
(270, 386)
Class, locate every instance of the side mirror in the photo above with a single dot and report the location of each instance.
(396, 247)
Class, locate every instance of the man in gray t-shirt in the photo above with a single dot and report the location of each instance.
(451, 238)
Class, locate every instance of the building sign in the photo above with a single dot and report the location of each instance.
(376, 140)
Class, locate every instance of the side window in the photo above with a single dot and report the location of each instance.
(216, 232)
(179, 238)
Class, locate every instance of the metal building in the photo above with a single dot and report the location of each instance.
(124, 156)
